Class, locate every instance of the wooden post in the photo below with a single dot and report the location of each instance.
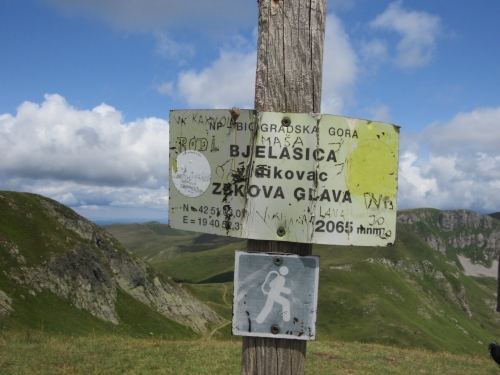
(288, 79)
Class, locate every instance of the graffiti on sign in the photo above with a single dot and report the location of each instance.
(275, 295)
(289, 177)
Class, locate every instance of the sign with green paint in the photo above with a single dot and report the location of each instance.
(307, 178)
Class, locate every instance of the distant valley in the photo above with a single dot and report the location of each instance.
(431, 289)
(61, 273)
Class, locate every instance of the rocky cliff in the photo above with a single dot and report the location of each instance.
(458, 232)
(45, 246)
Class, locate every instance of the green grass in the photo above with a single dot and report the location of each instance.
(201, 266)
(32, 352)
(361, 302)
(56, 315)
(369, 302)
(219, 297)
(27, 225)
(154, 241)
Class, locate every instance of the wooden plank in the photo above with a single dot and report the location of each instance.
(288, 79)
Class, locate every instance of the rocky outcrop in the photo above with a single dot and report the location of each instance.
(436, 243)
(452, 220)
(465, 239)
(458, 232)
(489, 244)
(488, 222)
(408, 218)
(14, 252)
(76, 224)
(81, 277)
(136, 278)
(92, 272)
(493, 241)
(5, 304)
(462, 300)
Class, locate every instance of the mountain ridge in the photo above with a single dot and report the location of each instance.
(407, 295)
(47, 247)
(456, 232)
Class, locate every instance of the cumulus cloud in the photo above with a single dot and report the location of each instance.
(340, 67)
(230, 79)
(165, 88)
(458, 165)
(170, 49)
(228, 82)
(375, 51)
(380, 113)
(155, 15)
(475, 131)
(84, 157)
(418, 32)
(54, 140)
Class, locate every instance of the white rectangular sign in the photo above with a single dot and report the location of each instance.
(275, 295)
(287, 177)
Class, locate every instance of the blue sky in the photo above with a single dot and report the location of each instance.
(86, 87)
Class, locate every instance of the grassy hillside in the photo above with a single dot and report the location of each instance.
(154, 241)
(40, 288)
(408, 295)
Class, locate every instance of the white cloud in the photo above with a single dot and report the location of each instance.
(462, 169)
(155, 15)
(414, 190)
(375, 51)
(84, 157)
(54, 140)
(230, 80)
(170, 49)
(380, 113)
(166, 88)
(418, 31)
(339, 67)
(476, 131)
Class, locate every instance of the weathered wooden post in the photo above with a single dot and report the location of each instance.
(285, 177)
(288, 79)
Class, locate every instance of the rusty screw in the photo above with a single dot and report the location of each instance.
(281, 231)
(278, 261)
(286, 122)
(275, 329)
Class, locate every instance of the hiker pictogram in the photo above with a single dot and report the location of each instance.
(275, 296)
(276, 287)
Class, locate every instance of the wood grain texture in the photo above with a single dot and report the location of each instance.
(288, 79)
(290, 55)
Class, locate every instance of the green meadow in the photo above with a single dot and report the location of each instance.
(404, 309)
(35, 352)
